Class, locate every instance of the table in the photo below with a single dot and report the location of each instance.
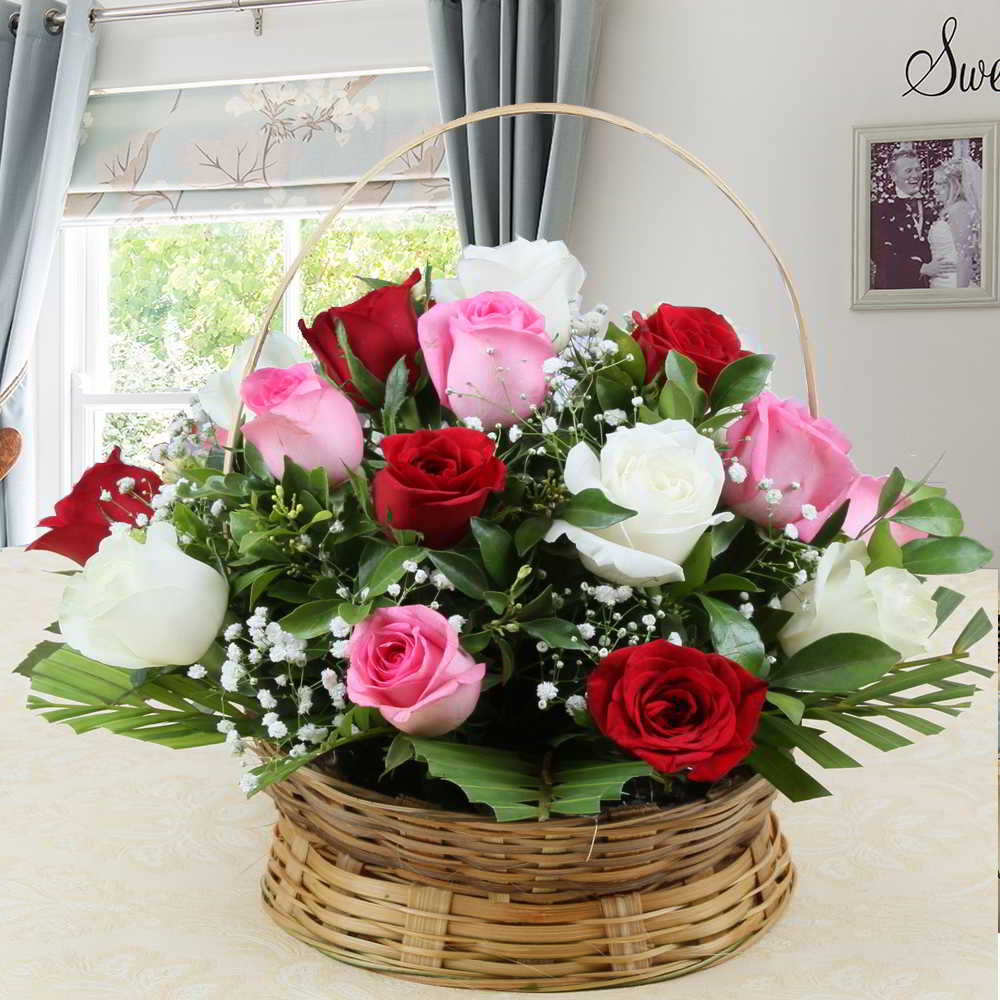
(131, 871)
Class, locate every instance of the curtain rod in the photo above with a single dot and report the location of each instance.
(54, 19)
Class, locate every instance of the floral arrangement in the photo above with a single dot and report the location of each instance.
(493, 553)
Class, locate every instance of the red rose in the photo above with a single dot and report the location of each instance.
(699, 334)
(381, 328)
(82, 518)
(436, 482)
(677, 707)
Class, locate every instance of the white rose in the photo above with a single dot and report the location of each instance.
(888, 604)
(143, 604)
(220, 395)
(542, 272)
(671, 476)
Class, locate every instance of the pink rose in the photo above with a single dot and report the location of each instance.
(863, 494)
(303, 416)
(485, 355)
(407, 663)
(777, 443)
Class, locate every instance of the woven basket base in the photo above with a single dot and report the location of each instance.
(379, 920)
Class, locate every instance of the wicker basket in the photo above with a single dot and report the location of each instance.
(635, 895)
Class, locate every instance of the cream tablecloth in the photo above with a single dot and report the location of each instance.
(131, 871)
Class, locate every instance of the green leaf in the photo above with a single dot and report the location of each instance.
(741, 380)
(935, 515)
(590, 508)
(734, 636)
(724, 534)
(530, 532)
(375, 283)
(674, 404)
(149, 705)
(540, 606)
(372, 388)
(310, 620)
(631, 365)
(353, 613)
(890, 492)
(785, 703)
(371, 555)
(871, 732)
(729, 581)
(255, 462)
(240, 583)
(242, 522)
(682, 374)
(506, 660)
(516, 787)
(947, 601)
(580, 785)
(259, 586)
(831, 526)
(979, 625)
(464, 572)
(556, 632)
(914, 722)
(389, 569)
(41, 652)
(903, 680)
(883, 549)
(844, 661)
(809, 741)
(497, 600)
(396, 386)
(696, 565)
(399, 752)
(497, 549)
(613, 395)
(929, 556)
(780, 769)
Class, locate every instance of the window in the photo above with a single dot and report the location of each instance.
(151, 309)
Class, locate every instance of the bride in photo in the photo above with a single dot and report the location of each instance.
(955, 235)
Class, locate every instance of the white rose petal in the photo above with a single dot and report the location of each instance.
(888, 604)
(671, 476)
(143, 604)
(542, 272)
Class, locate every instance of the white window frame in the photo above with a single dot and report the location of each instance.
(70, 382)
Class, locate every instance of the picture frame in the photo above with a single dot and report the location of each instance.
(927, 243)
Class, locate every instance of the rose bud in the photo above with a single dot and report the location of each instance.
(407, 663)
(436, 482)
(381, 328)
(677, 707)
(703, 336)
(485, 356)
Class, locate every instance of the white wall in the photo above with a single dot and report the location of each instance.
(767, 93)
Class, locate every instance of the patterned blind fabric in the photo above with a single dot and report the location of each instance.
(258, 148)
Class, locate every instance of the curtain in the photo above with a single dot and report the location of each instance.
(514, 176)
(44, 81)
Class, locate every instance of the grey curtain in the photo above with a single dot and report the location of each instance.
(44, 81)
(515, 176)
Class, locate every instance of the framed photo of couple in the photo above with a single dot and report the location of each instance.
(925, 216)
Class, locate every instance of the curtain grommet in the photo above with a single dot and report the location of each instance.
(52, 25)
(12, 22)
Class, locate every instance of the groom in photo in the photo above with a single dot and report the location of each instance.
(899, 248)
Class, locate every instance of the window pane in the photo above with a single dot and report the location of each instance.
(135, 431)
(374, 245)
(182, 295)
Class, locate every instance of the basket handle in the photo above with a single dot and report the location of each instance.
(507, 111)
